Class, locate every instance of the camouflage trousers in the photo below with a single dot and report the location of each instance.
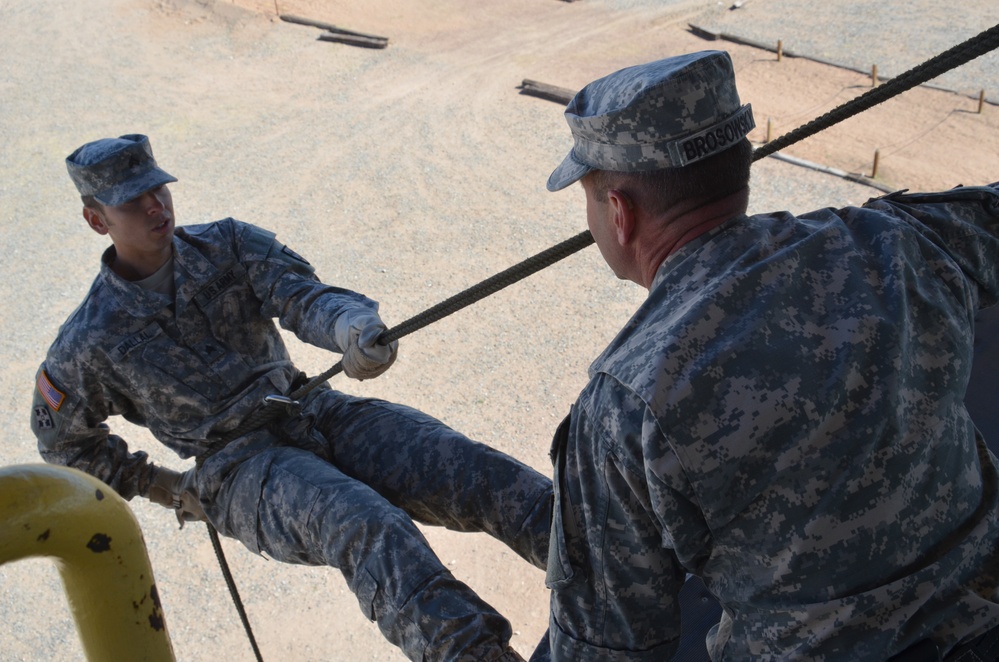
(342, 488)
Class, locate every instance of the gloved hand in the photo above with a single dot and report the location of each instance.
(356, 333)
(179, 492)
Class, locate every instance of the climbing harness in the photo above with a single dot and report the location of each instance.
(276, 405)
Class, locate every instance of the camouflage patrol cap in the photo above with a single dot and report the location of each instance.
(663, 114)
(115, 170)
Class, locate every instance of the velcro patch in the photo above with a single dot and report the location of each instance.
(43, 419)
(133, 341)
(53, 396)
(216, 287)
(719, 137)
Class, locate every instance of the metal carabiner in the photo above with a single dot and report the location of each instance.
(291, 407)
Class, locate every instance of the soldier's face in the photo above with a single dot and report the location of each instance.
(143, 225)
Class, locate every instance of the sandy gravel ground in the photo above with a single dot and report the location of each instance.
(861, 34)
(409, 174)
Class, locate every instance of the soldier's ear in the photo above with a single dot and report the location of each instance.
(95, 219)
(622, 212)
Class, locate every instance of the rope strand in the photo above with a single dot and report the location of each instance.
(231, 583)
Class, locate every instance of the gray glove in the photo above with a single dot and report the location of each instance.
(356, 333)
(179, 492)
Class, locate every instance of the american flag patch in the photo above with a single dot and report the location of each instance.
(53, 396)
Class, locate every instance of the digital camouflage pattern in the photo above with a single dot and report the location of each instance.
(651, 116)
(784, 417)
(115, 170)
(337, 484)
(189, 369)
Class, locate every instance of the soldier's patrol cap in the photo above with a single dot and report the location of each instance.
(115, 170)
(663, 114)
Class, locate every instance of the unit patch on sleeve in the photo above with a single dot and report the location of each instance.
(53, 396)
(43, 419)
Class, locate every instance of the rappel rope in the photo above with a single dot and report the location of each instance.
(231, 583)
(963, 53)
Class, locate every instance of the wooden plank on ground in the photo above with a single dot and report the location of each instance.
(545, 91)
(329, 27)
(355, 40)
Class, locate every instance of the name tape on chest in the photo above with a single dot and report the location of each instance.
(133, 341)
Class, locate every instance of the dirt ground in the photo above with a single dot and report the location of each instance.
(925, 139)
(409, 174)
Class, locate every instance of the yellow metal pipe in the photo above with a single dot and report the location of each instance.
(97, 545)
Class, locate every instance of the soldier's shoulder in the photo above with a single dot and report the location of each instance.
(91, 319)
(228, 231)
(206, 230)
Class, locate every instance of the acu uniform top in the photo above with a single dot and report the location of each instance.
(189, 369)
(784, 417)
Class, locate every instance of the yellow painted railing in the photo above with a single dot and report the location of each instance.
(98, 547)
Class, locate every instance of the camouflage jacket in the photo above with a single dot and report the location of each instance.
(784, 417)
(188, 369)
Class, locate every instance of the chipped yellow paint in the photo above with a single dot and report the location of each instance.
(97, 545)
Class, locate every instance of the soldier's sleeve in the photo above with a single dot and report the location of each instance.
(615, 584)
(67, 417)
(964, 223)
(290, 290)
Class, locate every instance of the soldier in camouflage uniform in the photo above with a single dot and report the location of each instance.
(783, 416)
(176, 334)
